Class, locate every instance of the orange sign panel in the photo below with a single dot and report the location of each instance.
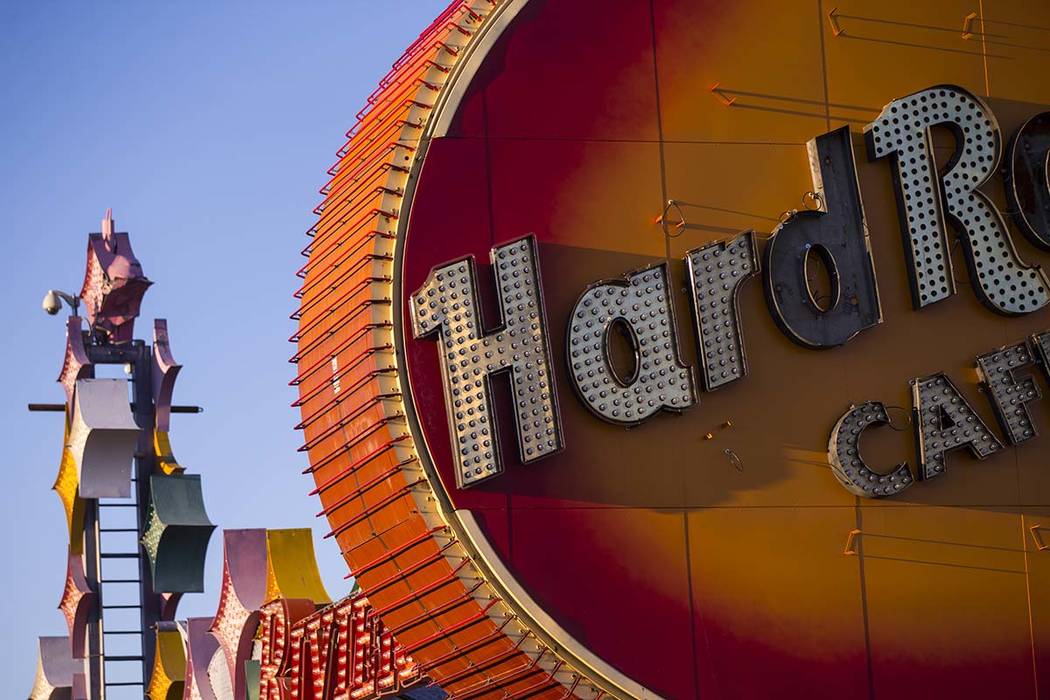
(665, 348)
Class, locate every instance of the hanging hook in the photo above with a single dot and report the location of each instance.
(680, 225)
(727, 101)
(734, 459)
(836, 28)
(907, 417)
(1039, 544)
(850, 550)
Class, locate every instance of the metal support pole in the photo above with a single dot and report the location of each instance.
(145, 465)
(94, 665)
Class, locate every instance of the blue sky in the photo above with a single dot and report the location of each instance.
(208, 128)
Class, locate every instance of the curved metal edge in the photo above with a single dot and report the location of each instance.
(164, 370)
(462, 75)
(561, 643)
(76, 364)
(242, 594)
(519, 598)
(78, 602)
(200, 648)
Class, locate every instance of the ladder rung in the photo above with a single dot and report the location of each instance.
(122, 658)
(118, 529)
(120, 580)
(113, 685)
(138, 632)
(120, 607)
(119, 555)
(118, 505)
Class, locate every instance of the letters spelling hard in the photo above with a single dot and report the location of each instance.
(446, 305)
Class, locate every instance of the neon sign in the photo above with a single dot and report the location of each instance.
(640, 303)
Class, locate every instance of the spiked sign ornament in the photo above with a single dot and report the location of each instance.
(177, 533)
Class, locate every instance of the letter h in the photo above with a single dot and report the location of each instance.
(447, 305)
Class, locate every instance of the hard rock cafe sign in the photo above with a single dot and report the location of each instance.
(590, 417)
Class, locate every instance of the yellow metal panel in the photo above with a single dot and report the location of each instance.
(615, 213)
(169, 667)
(1036, 534)
(776, 593)
(1016, 35)
(722, 189)
(1032, 460)
(946, 586)
(66, 486)
(291, 566)
(166, 461)
(888, 50)
(765, 58)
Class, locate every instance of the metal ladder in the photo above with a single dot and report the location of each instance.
(117, 587)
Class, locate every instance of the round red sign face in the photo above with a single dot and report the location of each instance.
(650, 271)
